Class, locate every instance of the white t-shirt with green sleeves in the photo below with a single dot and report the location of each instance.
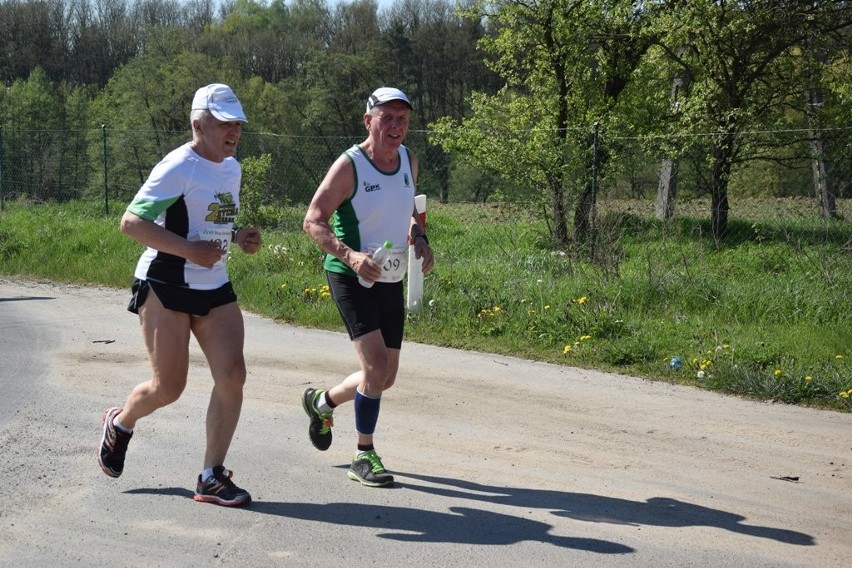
(196, 199)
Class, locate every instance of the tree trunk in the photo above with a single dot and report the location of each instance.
(583, 214)
(823, 181)
(667, 190)
(723, 155)
(560, 214)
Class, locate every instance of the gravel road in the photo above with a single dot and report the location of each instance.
(499, 461)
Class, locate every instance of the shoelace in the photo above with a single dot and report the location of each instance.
(119, 440)
(222, 482)
(327, 423)
(375, 461)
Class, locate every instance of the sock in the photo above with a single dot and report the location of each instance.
(121, 427)
(206, 474)
(325, 404)
(366, 413)
(366, 447)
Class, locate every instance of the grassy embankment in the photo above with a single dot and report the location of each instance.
(766, 314)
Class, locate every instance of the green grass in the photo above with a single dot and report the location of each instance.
(763, 315)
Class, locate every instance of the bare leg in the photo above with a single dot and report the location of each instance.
(379, 366)
(166, 336)
(221, 336)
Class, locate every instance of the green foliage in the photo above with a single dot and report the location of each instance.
(67, 243)
(755, 317)
(253, 210)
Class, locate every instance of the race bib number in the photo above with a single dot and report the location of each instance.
(395, 266)
(219, 235)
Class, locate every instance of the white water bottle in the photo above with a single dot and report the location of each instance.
(379, 257)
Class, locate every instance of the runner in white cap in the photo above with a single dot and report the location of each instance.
(184, 214)
(368, 193)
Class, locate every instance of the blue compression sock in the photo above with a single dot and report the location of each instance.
(366, 413)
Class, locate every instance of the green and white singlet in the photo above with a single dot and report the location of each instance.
(379, 210)
(196, 199)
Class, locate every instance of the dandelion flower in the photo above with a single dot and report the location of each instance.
(566, 350)
(547, 307)
(700, 374)
(838, 356)
(582, 300)
(809, 378)
(585, 337)
(778, 372)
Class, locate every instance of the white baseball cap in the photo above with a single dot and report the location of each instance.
(384, 95)
(221, 101)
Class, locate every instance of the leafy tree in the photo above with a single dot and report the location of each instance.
(145, 107)
(565, 64)
(33, 33)
(33, 114)
(431, 50)
(741, 58)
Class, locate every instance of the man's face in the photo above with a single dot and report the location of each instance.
(389, 124)
(217, 140)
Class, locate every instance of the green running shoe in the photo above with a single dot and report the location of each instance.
(367, 469)
(319, 430)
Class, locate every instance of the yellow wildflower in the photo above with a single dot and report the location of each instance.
(566, 350)
(582, 300)
(778, 372)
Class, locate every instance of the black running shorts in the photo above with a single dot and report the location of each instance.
(181, 298)
(367, 309)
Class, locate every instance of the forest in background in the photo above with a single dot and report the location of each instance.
(554, 103)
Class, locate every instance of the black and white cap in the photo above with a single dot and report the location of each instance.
(384, 95)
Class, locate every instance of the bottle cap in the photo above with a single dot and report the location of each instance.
(388, 244)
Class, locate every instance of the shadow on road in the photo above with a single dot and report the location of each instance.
(656, 511)
(464, 525)
(460, 525)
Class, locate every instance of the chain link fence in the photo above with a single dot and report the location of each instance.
(775, 173)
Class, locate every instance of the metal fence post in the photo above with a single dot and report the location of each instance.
(593, 210)
(106, 189)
